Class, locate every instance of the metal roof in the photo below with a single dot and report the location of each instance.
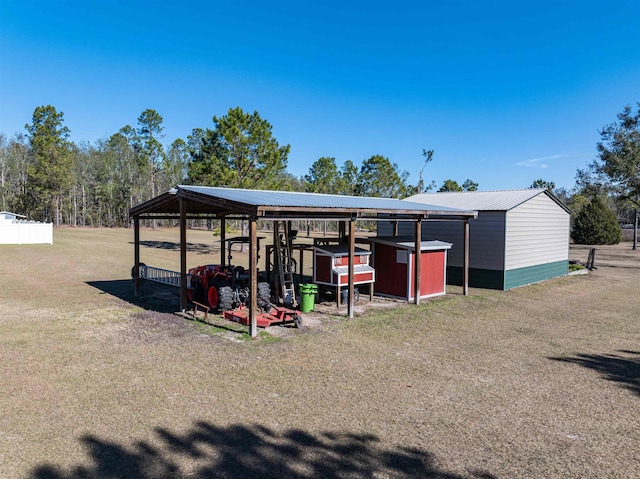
(307, 200)
(8, 213)
(503, 200)
(408, 242)
(286, 204)
(340, 249)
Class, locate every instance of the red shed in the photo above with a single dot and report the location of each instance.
(394, 256)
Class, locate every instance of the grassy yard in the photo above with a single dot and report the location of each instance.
(538, 382)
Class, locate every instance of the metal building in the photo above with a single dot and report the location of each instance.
(520, 236)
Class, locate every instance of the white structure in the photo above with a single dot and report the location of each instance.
(15, 229)
(520, 236)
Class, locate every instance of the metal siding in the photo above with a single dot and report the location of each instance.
(486, 240)
(384, 228)
(537, 233)
(533, 274)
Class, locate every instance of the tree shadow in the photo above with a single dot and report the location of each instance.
(252, 451)
(613, 367)
(158, 297)
(199, 248)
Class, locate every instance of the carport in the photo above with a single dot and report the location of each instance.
(184, 203)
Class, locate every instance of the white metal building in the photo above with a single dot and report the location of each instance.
(520, 236)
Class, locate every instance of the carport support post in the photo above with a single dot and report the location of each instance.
(352, 253)
(253, 277)
(136, 255)
(223, 238)
(417, 257)
(183, 254)
(465, 266)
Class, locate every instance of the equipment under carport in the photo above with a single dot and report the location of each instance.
(269, 315)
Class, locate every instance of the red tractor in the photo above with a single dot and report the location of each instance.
(224, 287)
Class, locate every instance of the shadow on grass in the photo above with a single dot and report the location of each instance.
(154, 296)
(251, 451)
(200, 248)
(613, 367)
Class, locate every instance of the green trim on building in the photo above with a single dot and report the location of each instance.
(493, 279)
(533, 274)
(478, 278)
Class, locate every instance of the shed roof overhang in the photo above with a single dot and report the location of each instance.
(208, 202)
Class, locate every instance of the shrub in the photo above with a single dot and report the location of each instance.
(595, 223)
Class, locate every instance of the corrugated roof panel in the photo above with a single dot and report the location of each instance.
(478, 200)
(311, 200)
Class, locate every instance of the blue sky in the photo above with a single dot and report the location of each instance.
(505, 92)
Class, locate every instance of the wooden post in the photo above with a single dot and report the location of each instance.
(635, 227)
(276, 276)
(183, 254)
(465, 266)
(352, 251)
(136, 256)
(253, 277)
(301, 265)
(267, 263)
(417, 261)
(223, 243)
(341, 231)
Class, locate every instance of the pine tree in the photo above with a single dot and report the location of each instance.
(50, 176)
(595, 223)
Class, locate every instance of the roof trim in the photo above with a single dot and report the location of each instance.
(493, 200)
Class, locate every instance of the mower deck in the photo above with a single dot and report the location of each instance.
(276, 315)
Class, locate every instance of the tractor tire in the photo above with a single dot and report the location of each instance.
(213, 297)
(264, 291)
(213, 294)
(225, 298)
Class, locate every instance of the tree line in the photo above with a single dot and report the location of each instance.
(47, 177)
